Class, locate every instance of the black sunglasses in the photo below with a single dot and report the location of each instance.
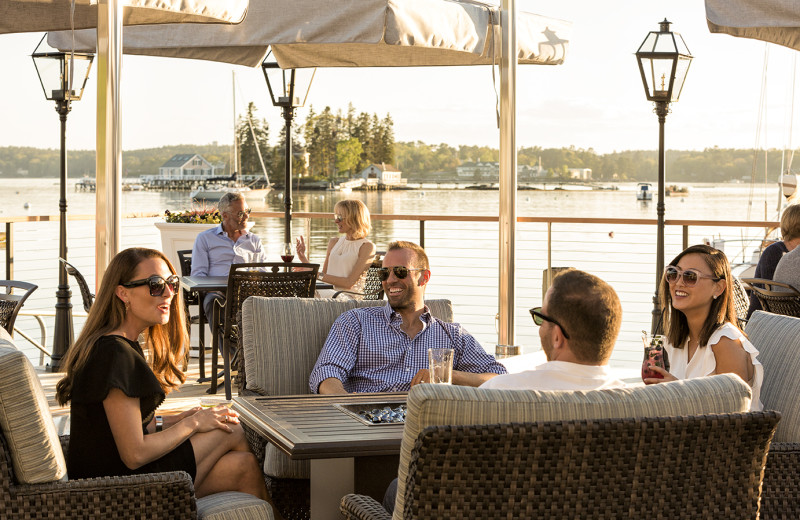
(399, 271)
(539, 318)
(156, 284)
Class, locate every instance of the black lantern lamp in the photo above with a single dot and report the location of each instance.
(288, 89)
(60, 73)
(664, 61)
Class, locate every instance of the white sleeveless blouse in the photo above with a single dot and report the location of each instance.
(341, 261)
(703, 363)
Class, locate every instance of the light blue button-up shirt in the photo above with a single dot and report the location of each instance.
(214, 252)
(369, 352)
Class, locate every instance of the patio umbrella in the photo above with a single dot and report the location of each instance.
(775, 21)
(387, 33)
(108, 16)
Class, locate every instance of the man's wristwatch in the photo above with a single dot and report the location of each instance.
(320, 275)
(159, 423)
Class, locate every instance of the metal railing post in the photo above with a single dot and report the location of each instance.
(9, 250)
(422, 234)
(685, 237)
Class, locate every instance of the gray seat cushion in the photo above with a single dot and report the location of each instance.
(232, 505)
(777, 338)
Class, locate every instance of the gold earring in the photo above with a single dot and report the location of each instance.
(128, 306)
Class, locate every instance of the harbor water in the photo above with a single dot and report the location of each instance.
(464, 255)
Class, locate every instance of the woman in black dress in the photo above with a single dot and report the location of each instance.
(114, 393)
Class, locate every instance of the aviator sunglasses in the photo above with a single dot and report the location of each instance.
(539, 319)
(690, 277)
(156, 284)
(399, 271)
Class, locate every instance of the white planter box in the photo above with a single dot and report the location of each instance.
(176, 237)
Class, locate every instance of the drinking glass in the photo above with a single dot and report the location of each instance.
(287, 252)
(440, 365)
(654, 355)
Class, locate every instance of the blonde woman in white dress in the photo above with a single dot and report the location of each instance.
(702, 335)
(349, 256)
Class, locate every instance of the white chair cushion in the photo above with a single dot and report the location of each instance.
(430, 405)
(26, 422)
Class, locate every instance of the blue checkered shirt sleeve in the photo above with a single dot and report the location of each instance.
(340, 352)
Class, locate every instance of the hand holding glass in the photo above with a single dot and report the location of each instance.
(440, 365)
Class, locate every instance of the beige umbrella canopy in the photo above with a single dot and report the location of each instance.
(17, 16)
(350, 33)
(775, 21)
(383, 33)
(108, 16)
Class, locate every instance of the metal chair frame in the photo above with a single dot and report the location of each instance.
(86, 294)
(373, 287)
(11, 303)
(255, 279)
(190, 298)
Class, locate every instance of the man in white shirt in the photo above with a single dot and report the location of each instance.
(579, 322)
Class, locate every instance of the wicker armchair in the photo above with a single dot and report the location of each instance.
(777, 339)
(255, 279)
(703, 466)
(11, 303)
(775, 297)
(33, 481)
(373, 287)
(281, 341)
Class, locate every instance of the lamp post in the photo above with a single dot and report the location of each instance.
(285, 90)
(59, 73)
(664, 62)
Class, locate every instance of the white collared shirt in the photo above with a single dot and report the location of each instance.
(557, 375)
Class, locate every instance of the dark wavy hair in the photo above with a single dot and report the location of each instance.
(723, 310)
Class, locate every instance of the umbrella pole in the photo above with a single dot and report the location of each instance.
(288, 115)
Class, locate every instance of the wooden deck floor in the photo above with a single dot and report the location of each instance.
(186, 396)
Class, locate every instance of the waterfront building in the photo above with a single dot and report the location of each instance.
(382, 176)
(183, 170)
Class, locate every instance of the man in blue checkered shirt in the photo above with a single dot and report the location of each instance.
(385, 349)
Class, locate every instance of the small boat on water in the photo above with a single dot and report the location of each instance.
(674, 189)
(215, 192)
(643, 191)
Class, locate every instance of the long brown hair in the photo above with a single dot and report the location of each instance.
(676, 327)
(167, 343)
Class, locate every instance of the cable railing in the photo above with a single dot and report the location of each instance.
(463, 252)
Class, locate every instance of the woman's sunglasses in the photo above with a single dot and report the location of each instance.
(539, 319)
(690, 277)
(157, 284)
(399, 271)
(338, 218)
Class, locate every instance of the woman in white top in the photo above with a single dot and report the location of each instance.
(348, 257)
(702, 337)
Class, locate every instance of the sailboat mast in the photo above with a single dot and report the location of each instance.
(235, 137)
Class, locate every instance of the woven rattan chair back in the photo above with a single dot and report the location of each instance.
(776, 297)
(705, 466)
(12, 297)
(259, 279)
(741, 302)
(185, 261)
(86, 294)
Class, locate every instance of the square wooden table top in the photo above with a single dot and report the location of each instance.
(311, 427)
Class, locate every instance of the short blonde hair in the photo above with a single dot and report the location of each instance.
(356, 215)
(790, 222)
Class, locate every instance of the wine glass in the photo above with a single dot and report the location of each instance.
(287, 252)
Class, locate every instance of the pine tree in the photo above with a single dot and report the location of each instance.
(248, 152)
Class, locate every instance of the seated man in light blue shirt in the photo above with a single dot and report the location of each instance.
(216, 249)
(385, 349)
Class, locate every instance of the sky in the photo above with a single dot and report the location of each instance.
(594, 100)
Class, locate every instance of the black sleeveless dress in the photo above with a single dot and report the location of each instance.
(115, 362)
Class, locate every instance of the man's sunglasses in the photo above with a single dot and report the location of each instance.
(690, 277)
(245, 213)
(539, 318)
(399, 271)
(156, 284)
